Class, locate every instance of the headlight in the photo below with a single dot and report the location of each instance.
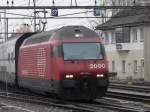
(69, 76)
(100, 75)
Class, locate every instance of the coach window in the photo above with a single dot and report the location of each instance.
(8, 57)
(113, 66)
(12, 57)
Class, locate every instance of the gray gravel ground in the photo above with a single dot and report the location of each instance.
(17, 106)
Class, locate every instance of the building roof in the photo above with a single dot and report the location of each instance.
(128, 17)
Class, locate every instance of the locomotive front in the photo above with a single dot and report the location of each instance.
(69, 62)
(82, 67)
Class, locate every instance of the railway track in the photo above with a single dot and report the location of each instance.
(131, 87)
(27, 96)
(136, 83)
(111, 106)
(44, 101)
(130, 92)
(95, 106)
(128, 96)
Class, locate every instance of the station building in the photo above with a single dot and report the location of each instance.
(124, 37)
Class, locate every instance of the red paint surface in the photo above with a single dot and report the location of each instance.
(36, 62)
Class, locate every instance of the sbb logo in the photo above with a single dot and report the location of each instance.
(97, 66)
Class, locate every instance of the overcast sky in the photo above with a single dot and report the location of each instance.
(53, 23)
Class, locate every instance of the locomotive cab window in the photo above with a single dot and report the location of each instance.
(82, 51)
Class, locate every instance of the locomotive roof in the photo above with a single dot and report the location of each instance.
(73, 32)
(65, 32)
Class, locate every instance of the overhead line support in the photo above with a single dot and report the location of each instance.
(74, 7)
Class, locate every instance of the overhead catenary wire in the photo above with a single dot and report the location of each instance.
(72, 7)
(73, 17)
(61, 16)
(47, 17)
(64, 16)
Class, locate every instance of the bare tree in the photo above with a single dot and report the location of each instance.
(23, 28)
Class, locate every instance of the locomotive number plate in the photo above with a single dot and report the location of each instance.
(97, 66)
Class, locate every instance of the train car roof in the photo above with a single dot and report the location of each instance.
(17, 37)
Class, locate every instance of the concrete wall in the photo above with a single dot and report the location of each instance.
(129, 57)
(130, 52)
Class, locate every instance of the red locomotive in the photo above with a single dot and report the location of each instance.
(69, 61)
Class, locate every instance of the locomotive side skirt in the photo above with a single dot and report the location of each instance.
(48, 86)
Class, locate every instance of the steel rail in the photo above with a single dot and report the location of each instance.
(92, 107)
(125, 82)
(27, 96)
(130, 87)
(108, 106)
(128, 96)
(44, 101)
(118, 104)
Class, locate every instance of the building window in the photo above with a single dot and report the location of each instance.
(135, 35)
(135, 66)
(118, 34)
(122, 35)
(106, 38)
(113, 39)
(142, 62)
(141, 35)
(113, 66)
(123, 66)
